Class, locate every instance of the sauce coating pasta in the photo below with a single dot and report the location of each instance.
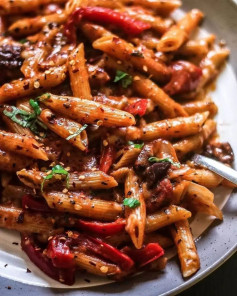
(102, 103)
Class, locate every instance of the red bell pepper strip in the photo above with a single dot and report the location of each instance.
(31, 203)
(102, 229)
(103, 15)
(185, 78)
(59, 252)
(137, 108)
(107, 158)
(99, 247)
(65, 276)
(144, 255)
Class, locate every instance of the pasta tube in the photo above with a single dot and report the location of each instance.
(87, 111)
(65, 128)
(76, 181)
(78, 203)
(136, 218)
(186, 248)
(22, 145)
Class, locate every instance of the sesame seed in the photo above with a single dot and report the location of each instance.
(68, 154)
(99, 122)
(82, 177)
(105, 143)
(72, 62)
(104, 269)
(145, 68)
(65, 190)
(77, 207)
(36, 84)
(136, 78)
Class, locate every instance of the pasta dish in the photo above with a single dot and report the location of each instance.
(103, 103)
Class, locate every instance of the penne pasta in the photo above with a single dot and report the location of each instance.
(19, 6)
(203, 177)
(87, 111)
(136, 218)
(201, 200)
(198, 48)
(148, 89)
(27, 87)
(78, 203)
(22, 145)
(12, 162)
(16, 219)
(165, 217)
(194, 143)
(120, 49)
(76, 181)
(164, 7)
(157, 23)
(179, 33)
(79, 77)
(65, 128)
(128, 157)
(171, 128)
(95, 265)
(187, 252)
(200, 106)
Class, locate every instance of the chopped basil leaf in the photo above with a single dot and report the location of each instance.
(22, 41)
(27, 119)
(155, 159)
(35, 105)
(135, 145)
(56, 170)
(137, 53)
(125, 78)
(131, 202)
(78, 132)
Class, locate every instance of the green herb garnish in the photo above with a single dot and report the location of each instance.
(125, 78)
(78, 132)
(135, 145)
(137, 53)
(131, 202)
(27, 119)
(35, 105)
(22, 41)
(56, 170)
(155, 159)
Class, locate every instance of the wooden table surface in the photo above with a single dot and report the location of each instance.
(222, 282)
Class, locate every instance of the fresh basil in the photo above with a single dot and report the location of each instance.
(131, 202)
(56, 170)
(78, 132)
(124, 78)
(27, 119)
(155, 159)
(135, 145)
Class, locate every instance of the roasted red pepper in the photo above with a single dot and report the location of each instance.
(59, 252)
(101, 229)
(144, 255)
(107, 251)
(185, 78)
(31, 203)
(103, 15)
(107, 158)
(137, 108)
(36, 255)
